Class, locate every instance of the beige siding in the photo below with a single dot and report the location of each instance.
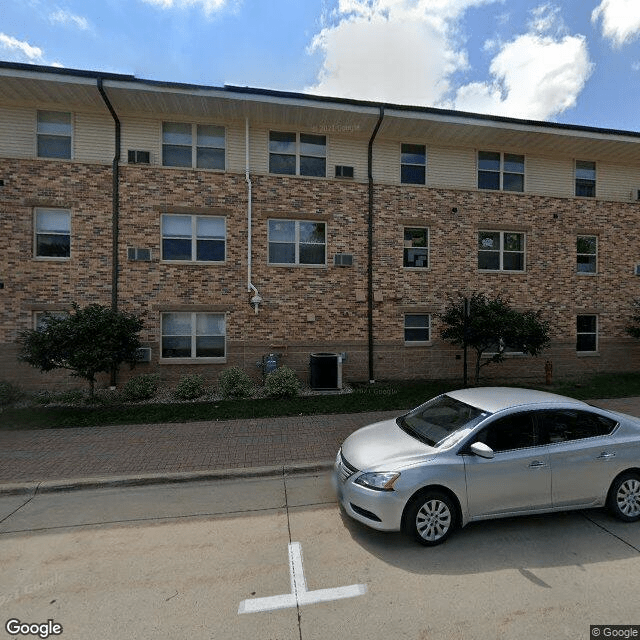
(259, 149)
(235, 147)
(93, 138)
(142, 134)
(615, 182)
(549, 176)
(17, 132)
(451, 168)
(350, 152)
(386, 162)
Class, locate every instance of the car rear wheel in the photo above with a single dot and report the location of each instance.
(430, 517)
(624, 497)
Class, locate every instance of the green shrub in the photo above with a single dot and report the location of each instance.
(235, 383)
(282, 383)
(9, 393)
(190, 387)
(142, 387)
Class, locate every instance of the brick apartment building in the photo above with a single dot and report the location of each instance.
(238, 222)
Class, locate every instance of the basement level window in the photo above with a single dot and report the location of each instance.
(417, 327)
(193, 335)
(587, 333)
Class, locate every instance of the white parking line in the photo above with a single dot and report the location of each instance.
(299, 595)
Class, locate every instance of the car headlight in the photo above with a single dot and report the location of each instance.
(380, 481)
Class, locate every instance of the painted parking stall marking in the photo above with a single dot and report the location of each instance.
(299, 594)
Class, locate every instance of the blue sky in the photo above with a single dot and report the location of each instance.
(573, 61)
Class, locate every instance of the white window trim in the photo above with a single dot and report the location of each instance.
(298, 153)
(72, 119)
(35, 236)
(413, 164)
(194, 245)
(417, 343)
(502, 252)
(596, 352)
(587, 273)
(297, 263)
(194, 359)
(428, 230)
(502, 171)
(194, 145)
(575, 179)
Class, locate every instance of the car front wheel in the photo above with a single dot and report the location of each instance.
(624, 497)
(430, 517)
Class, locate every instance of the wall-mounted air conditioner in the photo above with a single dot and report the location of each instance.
(143, 354)
(342, 260)
(138, 157)
(138, 254)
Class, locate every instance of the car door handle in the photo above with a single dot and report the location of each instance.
(605, 455)
(536, 464)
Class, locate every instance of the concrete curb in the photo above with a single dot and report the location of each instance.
(106, 482)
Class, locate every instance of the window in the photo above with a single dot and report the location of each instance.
(178, 149)
(500, 171)
(193, 238)
(301, 154)
(416, 247)
(587, 333)
(193, 335)
(585, 179)
(516, 431)
(568, 424)
(40, 318)
(501, 251)
(587, 254)
(413, 162)
(297, 242)
(53, 233)
(54, 134)
(417, 327)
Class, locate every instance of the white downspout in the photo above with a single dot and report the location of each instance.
(256, 300)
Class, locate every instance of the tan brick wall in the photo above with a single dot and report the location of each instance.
(317, 309)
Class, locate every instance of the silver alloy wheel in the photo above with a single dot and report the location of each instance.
(433, 520)
(628, 497)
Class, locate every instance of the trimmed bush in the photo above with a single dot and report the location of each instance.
(235, 383)
(142, 387)
(282, 383)
(9, 393)
(190, 387)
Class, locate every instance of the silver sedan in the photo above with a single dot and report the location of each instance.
(484, 453)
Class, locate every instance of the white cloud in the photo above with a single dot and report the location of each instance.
(537, 75)
(208, 6)
(620, 20)
(19, 50)
(67, 18)
(402, 51)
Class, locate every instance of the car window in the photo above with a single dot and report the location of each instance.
(515, 431)
(570, 424)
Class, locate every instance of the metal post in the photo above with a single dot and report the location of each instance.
(465, 332)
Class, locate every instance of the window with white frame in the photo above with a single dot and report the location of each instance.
(585, 179)
(297, 242)
(500, 171)
(54, 134)
(193, 145)
(501, 251)
(52, 233)
(193, 335)
(417, 327)
(416, 247)
(302, 154)
(193, 238)
(413, 163)
(587, 333)
(587, 254)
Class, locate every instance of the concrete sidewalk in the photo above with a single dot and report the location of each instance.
(65, 459)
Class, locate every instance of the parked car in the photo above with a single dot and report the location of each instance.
(484, 453)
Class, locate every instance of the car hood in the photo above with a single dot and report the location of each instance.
(384, 446)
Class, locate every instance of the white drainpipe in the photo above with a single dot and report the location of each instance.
(257, 299)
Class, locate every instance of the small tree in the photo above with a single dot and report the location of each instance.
(492, 326)
(92, 340)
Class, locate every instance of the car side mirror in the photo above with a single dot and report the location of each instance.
(482, 450)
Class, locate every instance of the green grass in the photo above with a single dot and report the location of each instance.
(379, 397)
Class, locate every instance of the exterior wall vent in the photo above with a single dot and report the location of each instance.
(143, 354)
(342, 171)
(139, 255)
(138, 157)
(343, 260)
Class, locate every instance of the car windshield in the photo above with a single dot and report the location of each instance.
(441, 421)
